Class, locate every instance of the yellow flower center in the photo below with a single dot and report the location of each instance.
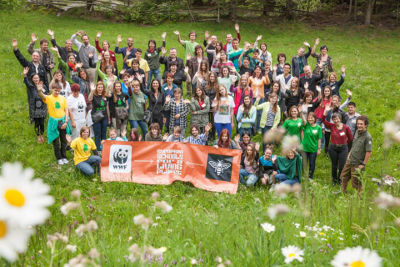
(357, 264)
(3, 229)
(291, 255)
(15, 197)
(322, 233)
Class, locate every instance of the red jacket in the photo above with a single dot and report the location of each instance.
(101, 50)
(238, 36)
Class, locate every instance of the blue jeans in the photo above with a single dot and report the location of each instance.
(157, 75)
(251, 178)
(259, 113)
(89, 166)
(141, 124)
(309, 160)
(281, 177)
(220, 126)
(100, 132)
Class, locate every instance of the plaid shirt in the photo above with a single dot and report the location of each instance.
(183, 110)
(201, 139)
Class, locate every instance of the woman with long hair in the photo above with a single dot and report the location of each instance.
(121, 108)
(310, 103)
(200, 78)
(137, 107)
(59, 78)
(241, 91)
(37, 108)
(249, 166)
(223, 106)
(152, 56)
(224, 141)
(156, 102)
(107, 61)
(216, 53)
(194, 63)
(200, 106)
(323, 58)
(246, 116)
(211, 89)
(226, 79)
(257, 83)
(294, 95)
(100, 113)
(83, 146)
(293, 124)
(224, 61)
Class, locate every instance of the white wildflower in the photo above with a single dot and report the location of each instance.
(164, 206)
(268, 227)
(292, 253)
(67, 207)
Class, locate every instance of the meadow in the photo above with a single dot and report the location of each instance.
(205, 225)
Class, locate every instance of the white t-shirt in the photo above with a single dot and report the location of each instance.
(65, 90)
(78, 106)
(223, 114)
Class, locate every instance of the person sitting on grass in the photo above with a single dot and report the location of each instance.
(154, 133)
(135, 135)
(57, 126)
(246, 140)
(83, 159)
(249, 166)
(225, 141)
(113, 135)
(289, 168)
(196, 137)
(267, 168)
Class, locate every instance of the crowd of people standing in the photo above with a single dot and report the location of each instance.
(223, 87)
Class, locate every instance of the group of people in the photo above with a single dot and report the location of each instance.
(228, 89)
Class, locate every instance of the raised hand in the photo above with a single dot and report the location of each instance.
(306, 44)
(55, 49)
(99, 57)
(206, 35)
(33, 38)
(188, 57)
(163, 51)
(92, 86)
(40, 86)
(318, 88)
(98, 35)
(26, 70)
(274, 68)
(234, 78)
(317, 41)
(343, 69)
(348, 92)
(91, 54)
(163, 35)
(119, 38)
(237, 138)
(15, 43)
(80, 33)
(139, 77)
(259, 37)
(237, 27)
(176, 32)
(257, 146)
(51, 33)
(306, 86)
(208, 127)
(186, 69)
(168, 98)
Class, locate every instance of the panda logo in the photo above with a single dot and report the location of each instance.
(121, 156)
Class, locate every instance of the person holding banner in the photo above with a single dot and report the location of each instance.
(225, 141)
(223, 106)
(82, 147)
(249, 166)
(179, 110)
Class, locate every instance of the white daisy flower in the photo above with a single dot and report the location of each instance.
(268, 227)
(356, 256)
(292, 253)
(193, 262)
(302, 234)
(13, 239)
(71, 248)
(21, 198)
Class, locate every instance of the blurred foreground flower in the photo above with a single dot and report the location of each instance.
(136, 253)
(268, 227)
(277, 209)
(163, 205)
(357, 256)
(69, 206)
(143, 221)
(292, 253)
(89, 227)
(23, 199)
(391, 130)
(290, 143)
(13, 239)
(283, 189)
(384, 201)
(274, 136)
(23, 204)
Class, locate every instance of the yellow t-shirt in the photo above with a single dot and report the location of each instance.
(56, 106)
(82, 149)
(142, 64)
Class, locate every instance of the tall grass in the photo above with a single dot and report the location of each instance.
(204, 225)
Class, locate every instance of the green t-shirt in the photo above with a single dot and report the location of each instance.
(189, 47)
(136, 107)
(293, 127)
(311, 137)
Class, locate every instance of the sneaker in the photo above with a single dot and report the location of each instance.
(65, 161)
(60, 162)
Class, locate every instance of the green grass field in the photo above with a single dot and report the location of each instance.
(204, 225)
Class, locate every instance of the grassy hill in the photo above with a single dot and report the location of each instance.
(204, 225)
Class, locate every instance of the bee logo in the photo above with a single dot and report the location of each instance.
(219, 166)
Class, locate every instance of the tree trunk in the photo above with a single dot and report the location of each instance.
(350, 6)
(268, 6)
(233, 14)
(355, 10)
(368, 12)
(289, 9)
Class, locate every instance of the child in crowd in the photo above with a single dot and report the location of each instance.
(268, 169)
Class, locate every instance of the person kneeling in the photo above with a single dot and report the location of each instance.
(289, 168)
(82, 147)
(249, 166)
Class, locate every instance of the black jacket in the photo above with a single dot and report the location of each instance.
(167, 62)
(32, 69)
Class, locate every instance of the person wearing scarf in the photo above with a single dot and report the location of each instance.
(289, 168)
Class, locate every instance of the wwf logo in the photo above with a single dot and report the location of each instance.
(80, 106)
(219, 167)
(120, 158)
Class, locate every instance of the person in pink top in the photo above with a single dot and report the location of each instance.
(105, 48)
(241, 91)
